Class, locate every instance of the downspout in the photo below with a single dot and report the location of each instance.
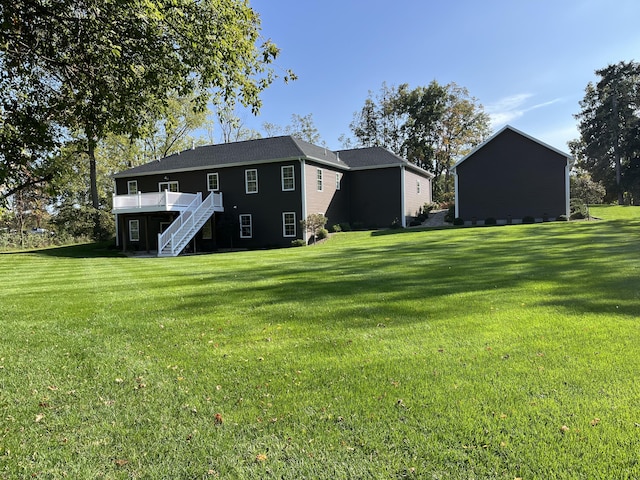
(303, 195)
(455, 192)
(567, 186)
(402, 199)
(117, 222)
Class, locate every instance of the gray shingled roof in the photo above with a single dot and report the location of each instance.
(265, 150)
(260, 150)
(375, 157)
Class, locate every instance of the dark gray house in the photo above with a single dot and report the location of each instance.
(253, 194)
(511, 176)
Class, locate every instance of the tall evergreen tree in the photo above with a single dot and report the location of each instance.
(609, 125)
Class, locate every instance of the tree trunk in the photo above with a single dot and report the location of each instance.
(93, 175)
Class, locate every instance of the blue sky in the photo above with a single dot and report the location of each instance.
(528, 62)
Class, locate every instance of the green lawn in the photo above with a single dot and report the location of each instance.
(498, 352)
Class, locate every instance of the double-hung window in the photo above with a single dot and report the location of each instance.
(132, 187)
(288, 179)
(289, 224)
(319, 179)
(134, 230)
(246, 227)
(170, 186)
(418, 187)
(251, 180)
(212, 182)
(338, 180)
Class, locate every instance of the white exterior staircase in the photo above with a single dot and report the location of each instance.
(173, 240)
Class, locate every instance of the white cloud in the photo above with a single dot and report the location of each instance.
(512, 107)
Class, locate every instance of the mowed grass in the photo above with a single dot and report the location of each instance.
(501, 352)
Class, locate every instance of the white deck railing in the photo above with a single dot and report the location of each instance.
(183, 228)
(153, 201)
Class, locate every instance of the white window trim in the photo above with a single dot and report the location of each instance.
(319, 180)
(284, 224)
(134, 190)
(246, 180)
(209, 177)
(168, 185)
(293, 177)
(135, 229)
(250, 225)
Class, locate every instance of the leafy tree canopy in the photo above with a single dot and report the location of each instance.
(94, 67)
(430, 126)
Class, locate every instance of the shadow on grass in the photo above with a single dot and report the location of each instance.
(85, 250)
(591, 267)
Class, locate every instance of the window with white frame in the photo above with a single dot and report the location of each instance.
(251, 180)
(288, 180)
(289, 224)
(246, 227)
(338, 180)
(134, 230)
(132, 187)
(212, 182)
(319, 179)
(418, 187)
(169, 186)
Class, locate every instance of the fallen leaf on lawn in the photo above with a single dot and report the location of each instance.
(595, 422)
(53, 388)
(39, 417)
(121, 462)
(261, 457)
(564, 429)
(217, 418)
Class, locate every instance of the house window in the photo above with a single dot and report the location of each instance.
(288, 182)
(338, 180)
(134, 230)
(212, 182)
(319, 179)
(169, 186)
(251, 180)
(246, 228)
(289, 224)
(418, 187)
(132, 187)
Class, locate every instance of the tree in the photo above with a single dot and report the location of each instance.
(313, 224)
(586, 190)
(101, 67)
(609, 125)
(430, 126)
(379, 123)
(301, 127)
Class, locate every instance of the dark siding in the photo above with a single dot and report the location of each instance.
(266, 206)
(375, 197)
(511, 177)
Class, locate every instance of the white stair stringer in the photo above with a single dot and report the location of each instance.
(189, 222)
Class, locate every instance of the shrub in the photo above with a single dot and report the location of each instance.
(528, 219)
(336, 228)
(298, 242)
(490, 221)
(561, 218)
(450, 215)
(345, 227)
(458, 221)
(322, 233)
(415, 223)
(578, 209)
(396, 224)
